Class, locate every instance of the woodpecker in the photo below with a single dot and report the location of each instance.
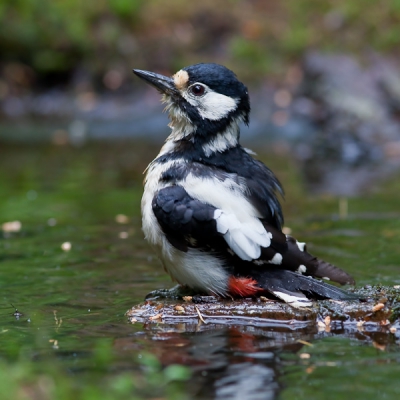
(212, 211)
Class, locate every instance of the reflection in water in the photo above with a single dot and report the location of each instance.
(246, 381)
(245, 362)
(228, 362)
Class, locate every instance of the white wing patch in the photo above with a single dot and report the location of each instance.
(237, 219)
(245, 239)
(276, 259)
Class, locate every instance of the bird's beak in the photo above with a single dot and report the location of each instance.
(163, 84)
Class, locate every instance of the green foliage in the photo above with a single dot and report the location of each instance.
(125, 8)
(56, 35)
(251, 55)
(258, 37)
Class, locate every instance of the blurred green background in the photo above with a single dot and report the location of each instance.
(77, 129)
(44, 43)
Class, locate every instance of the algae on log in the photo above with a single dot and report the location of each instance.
(380, 310)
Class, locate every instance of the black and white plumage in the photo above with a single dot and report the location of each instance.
(211, 210)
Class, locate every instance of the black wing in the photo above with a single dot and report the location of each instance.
(185, 221)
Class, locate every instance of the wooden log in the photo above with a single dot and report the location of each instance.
(380, 310)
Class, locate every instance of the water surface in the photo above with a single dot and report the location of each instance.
(78, 262)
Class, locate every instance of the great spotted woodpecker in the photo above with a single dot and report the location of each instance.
(211, 210)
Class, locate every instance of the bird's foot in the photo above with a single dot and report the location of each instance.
(177, 292)
(204, 299)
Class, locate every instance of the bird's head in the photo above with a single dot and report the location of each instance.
(203, 100)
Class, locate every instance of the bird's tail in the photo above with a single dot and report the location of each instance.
(299, 290)
(331, 272)
(314, 266)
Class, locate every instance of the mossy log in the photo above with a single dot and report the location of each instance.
(379, 310)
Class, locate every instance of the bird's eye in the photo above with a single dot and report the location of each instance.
(197, 90)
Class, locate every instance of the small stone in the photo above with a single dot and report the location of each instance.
(12, 226)
(179, 308)
(51, 222)
(264, 299)
(66, 246)
(122, 219)
(378, 307)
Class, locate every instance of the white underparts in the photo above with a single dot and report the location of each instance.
(196, 269)
(151, 227)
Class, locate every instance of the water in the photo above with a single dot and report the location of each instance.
(77, 262)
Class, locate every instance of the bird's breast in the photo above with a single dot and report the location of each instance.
(153, 183)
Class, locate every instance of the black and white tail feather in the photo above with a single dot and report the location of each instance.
(211, 210)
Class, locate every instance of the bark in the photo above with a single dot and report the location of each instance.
(379, 310)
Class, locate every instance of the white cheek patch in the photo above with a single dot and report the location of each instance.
(212, 105)
(215, 106)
